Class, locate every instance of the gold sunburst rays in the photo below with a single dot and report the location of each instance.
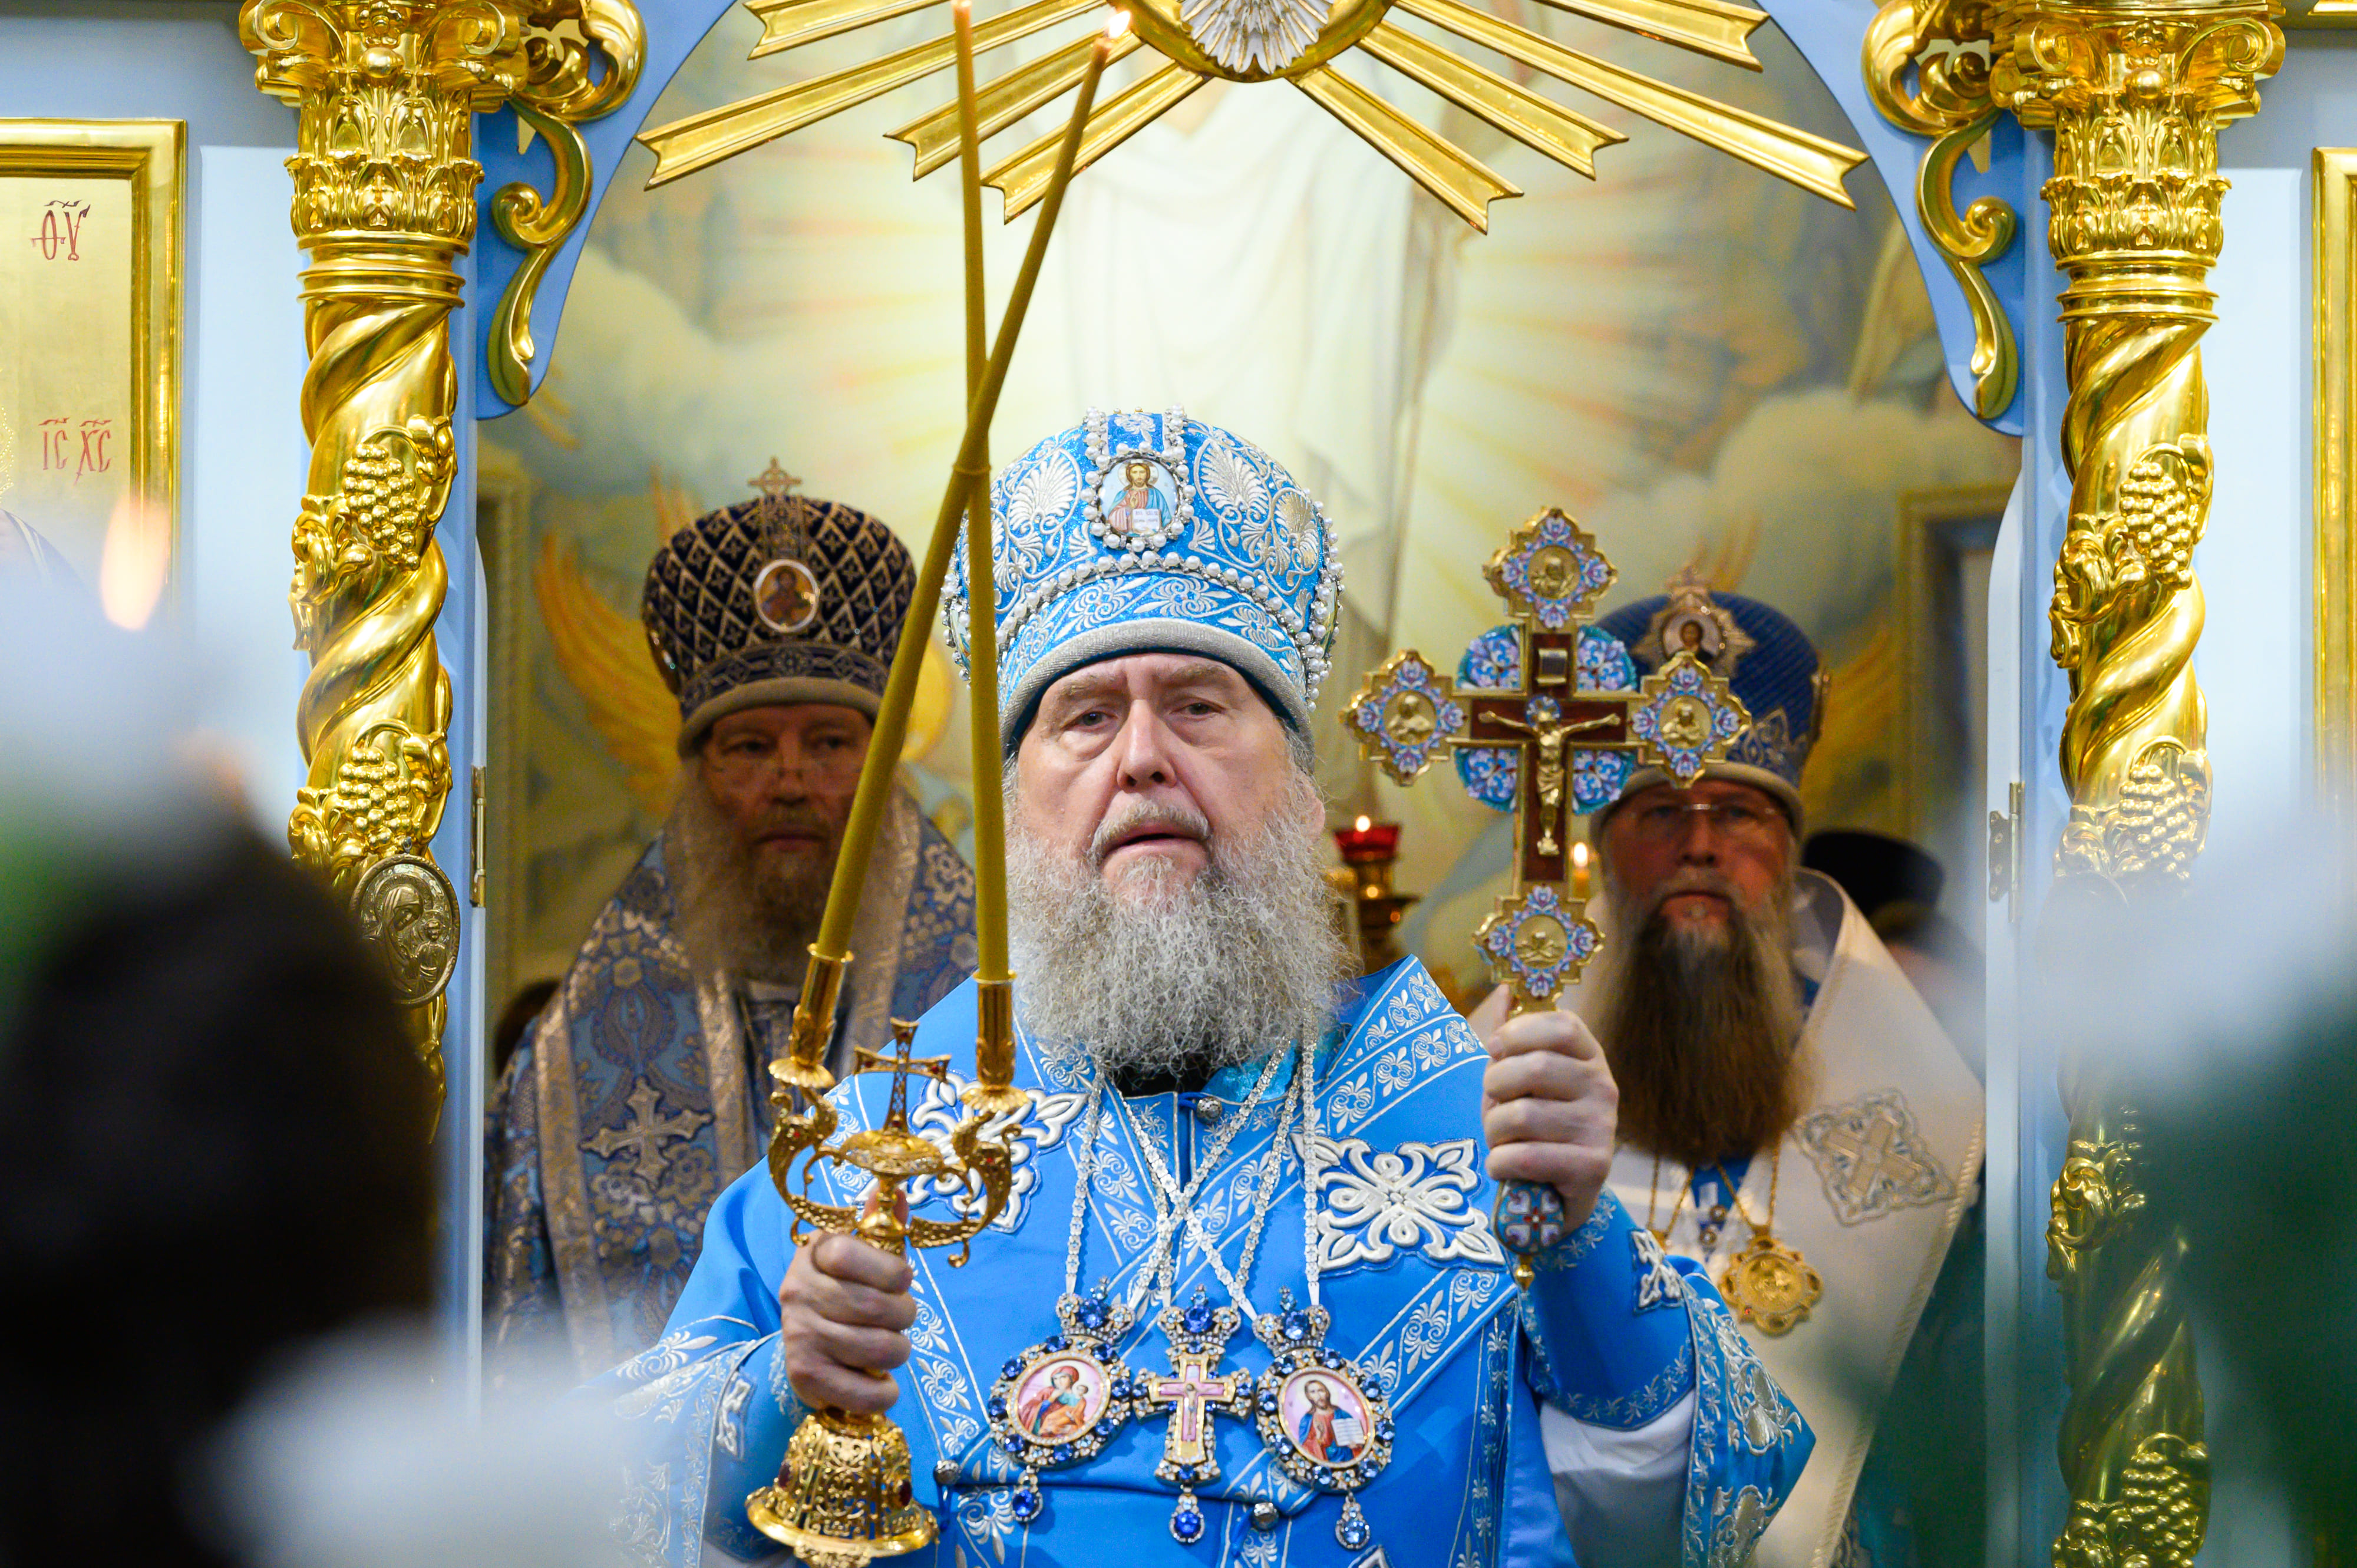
(1179, 63)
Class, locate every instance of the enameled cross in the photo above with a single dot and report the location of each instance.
(1551, 721)
(647, 1132)
(1189, 1393)
(899, 1063)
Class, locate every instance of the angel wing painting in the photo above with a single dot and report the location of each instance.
(604, 655)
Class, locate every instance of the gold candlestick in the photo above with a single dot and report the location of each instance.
(844, 1494)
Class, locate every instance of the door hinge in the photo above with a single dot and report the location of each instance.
(480, 880)
(2005, 851)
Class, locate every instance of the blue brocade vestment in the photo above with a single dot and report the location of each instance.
(640, 1096)
(1420, 1291)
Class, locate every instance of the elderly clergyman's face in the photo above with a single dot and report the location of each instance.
(752, 839)
(1167, 904)
(1693, 998)
(1135, 765)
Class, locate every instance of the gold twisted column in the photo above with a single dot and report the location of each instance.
(385, 91)
(2135, 92)
(2131, 1446)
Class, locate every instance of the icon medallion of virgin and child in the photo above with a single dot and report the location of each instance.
(1060, 1398)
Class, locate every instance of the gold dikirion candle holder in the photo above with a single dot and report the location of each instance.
(845, 1493)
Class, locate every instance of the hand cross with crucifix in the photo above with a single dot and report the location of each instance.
(1550, 720)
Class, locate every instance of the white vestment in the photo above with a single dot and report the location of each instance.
(1877, 1173)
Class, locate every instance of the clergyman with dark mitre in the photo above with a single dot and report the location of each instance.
(1254, 1192)
(642, 1089)
(1791, 1118)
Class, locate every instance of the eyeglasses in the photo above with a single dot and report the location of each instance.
(1739, 821)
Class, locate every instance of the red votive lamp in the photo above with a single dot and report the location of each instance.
(1368, 843)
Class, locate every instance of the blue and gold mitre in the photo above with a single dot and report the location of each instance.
(1766, 659)
(1154, 532)
(784, 598)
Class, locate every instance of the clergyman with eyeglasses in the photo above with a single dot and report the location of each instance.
(642, 1091)
(1791, 1115)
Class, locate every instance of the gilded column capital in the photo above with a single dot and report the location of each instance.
(385, 93)
(2183, 59)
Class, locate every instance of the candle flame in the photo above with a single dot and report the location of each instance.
(1363, 824)
(1580, 856)
(1115, 26)
(133, 563)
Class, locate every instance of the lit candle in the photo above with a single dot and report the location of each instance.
(989, 806)
(1579, 871)
(1368, 841)
(892, 716)
(977, 349)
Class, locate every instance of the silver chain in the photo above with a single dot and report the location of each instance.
(1085, 1162)
(1311, 1171)
(1166, 1225)
(1178, 1205)
(1270, 1164)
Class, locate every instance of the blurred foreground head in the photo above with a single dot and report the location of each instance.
(214, 1129)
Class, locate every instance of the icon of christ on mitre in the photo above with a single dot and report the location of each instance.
(1224, 1113)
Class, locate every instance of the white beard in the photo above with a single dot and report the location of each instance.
(1163, 976)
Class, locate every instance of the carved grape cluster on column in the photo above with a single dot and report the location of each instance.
(385, 93)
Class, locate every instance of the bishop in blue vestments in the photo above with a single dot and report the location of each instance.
(1246, 1305)
(641, 1091)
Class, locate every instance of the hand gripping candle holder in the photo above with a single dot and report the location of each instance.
(844, 1492)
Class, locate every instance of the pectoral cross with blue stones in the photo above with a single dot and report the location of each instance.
(1190, 1394)
(1546, 719)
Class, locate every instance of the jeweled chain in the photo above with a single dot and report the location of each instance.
(1312, 1171)
(1178, 1205)
(1086, 1163)
(1270, 1164)
(1165, 1226)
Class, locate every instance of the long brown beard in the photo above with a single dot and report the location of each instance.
(737, 916)
(1698, 1029)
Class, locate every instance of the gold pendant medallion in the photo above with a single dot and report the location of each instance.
(1769, 1285)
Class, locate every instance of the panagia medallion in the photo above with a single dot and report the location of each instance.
(1324, 1422)
(1771, 1286)
(1062, 1399)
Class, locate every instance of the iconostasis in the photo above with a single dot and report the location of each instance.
(1708, 367)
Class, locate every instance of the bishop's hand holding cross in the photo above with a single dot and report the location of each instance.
(1523, 691)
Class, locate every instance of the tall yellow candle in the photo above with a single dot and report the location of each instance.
(982, 662)
(828, 954)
